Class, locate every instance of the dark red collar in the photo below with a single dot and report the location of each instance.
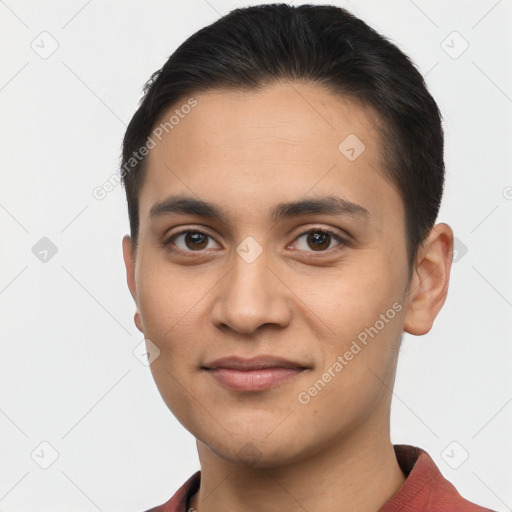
(425, 489)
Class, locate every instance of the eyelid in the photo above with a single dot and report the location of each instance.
(343, 240)
(169, 239)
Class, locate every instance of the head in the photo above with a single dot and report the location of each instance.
(283, 174)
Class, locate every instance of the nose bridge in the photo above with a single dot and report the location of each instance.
(251, 295)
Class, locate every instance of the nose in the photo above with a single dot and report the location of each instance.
(251, 295)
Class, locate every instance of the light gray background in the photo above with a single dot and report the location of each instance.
(68, 374)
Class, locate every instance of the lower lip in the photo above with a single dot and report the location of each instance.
(253, 380)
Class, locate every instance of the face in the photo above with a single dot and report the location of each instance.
(320, 284)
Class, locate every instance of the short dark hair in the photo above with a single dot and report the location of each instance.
(323, 45)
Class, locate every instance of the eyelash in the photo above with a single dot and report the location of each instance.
(342, 242)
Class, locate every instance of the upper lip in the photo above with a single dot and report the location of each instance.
(254, 363)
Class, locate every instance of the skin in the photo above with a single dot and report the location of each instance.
(247, 151)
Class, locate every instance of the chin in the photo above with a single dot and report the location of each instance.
(251, 452)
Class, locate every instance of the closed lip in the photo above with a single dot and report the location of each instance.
(254, 363)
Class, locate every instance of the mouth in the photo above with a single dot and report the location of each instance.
(255, 374)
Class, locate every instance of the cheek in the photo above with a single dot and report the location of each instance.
(363, 312)
(354, 296)
(166, 305)
(166, 296)
(171, 304)
(357, 368)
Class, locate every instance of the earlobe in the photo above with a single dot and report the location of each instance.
(138, 322)
(129, 263)
(431, 276)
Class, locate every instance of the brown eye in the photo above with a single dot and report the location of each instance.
(188, 241)
(194, 240)
(318, 240)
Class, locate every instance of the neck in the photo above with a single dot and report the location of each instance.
(361, 473)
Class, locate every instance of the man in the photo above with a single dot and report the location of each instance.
(283, 173)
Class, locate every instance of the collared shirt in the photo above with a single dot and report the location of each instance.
(425, 489)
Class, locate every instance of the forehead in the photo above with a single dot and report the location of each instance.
(307, 113)
(282, 142)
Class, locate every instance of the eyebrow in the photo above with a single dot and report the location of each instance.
(329, 205)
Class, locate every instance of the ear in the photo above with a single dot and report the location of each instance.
(129, 262)
(429, 284)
